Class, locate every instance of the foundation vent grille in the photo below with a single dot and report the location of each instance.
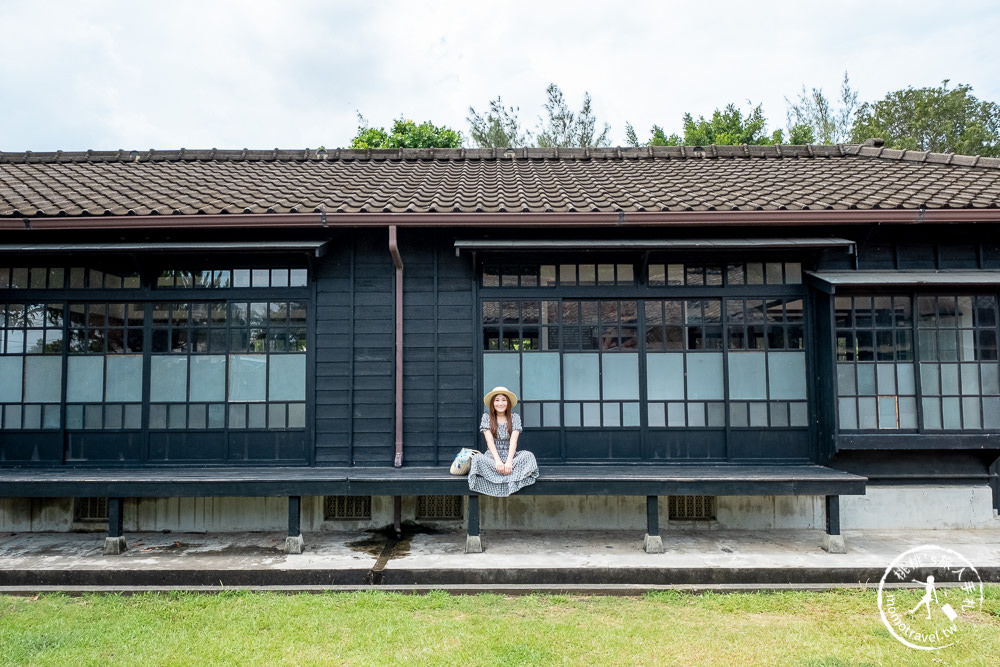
(347, 508)
(681, 508)
(90, 509)
(439, 507)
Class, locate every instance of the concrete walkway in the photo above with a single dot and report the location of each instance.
(512, 561)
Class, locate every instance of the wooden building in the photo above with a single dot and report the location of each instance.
(654, 309)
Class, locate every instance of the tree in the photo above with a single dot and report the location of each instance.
(405, 134)
(727, 127)
(498, 128)
(563, 128)
(813, 111)
(932, 119)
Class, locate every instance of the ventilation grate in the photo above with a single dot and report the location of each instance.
(347, 508)
(90, 509)
(691, 507)
(439, 507)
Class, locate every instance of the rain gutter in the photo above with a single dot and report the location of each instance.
(574, 219)
(398, 262)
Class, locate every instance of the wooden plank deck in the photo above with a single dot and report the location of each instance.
(614, 480)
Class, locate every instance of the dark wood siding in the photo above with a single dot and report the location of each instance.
(438, 385)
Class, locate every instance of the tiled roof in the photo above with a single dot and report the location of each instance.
(443, 181)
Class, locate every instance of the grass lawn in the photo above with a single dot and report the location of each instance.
(376, 628)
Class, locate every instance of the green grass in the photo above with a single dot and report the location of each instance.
(828, 629)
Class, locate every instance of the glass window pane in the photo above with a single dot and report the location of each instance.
(74, 416)
(991, 412)
(747, 375)
(208, 378)
(123, 378)
(591, 414)
(177, 415)
(866, 379)
(716, 414)
(867, 417)
(550, 414)
(930, 380)
(970, 412)
(970, 379)
(571, 412)
(10, 385)
(951, 413)
(932, 413)
(848, 412)
(32, 416)
(531, 414)
(541, 377)
(657, 414)
(887, 412)
(798, 414)
(502, 370)
(704, 377)
(845, 380)
(676, 414)
(779, 413)
(786, 374)
(949, 379)
(50, 416)
(247, 378)
(665, 376)
(197, 415)
(904, 380)
(885, 378)
(758, 414)
(276, 415)
(113, 416)
(257, 415)
(907, 406)
(696, 414)
(991, 385)
(168, 378)
(237, 416)
(287, 379)
(133, 416)
(738, 415)
(612, 414)
(620, 376)
(581, 377)
(43, 379)
(296, 415)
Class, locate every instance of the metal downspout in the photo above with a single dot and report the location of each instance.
(397, 501)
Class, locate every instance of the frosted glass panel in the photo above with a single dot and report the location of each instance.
(970, 379)
(866, 379)
(621, 376)
(10, 385)
(43, 379)
(541, 377)
(949, 378)
(904, 379)
(930, 383)
(287, 380)
(168, 379)
(848, 414)
(248, 379)
(991, 413)
(124, 378)
(907, 412)
(747, 376)
(676, 414)
(886, 378)
(704, 377)
(208, 378)
(582, 377)
(787, 374)
(85, 379)
(932, 413)
(630, 414)
(612, 414)
(591, 414)
(970, 412)
(990, 379)
(657, 414)
(845, 380)
(665, 376)
(887, 412)
(502, 370)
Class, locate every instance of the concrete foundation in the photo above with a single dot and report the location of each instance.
(882, 508)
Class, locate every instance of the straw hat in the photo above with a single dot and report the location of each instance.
(511, 396)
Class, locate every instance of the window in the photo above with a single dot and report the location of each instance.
(645, 360)
(898, 352)
(231, 361)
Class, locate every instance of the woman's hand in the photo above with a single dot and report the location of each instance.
(504, 468)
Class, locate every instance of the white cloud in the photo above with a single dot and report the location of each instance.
(231, 74)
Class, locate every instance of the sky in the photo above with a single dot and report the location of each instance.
(291, 74)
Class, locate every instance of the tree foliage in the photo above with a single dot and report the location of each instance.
(564, 128)
(726, 127)
(499, 127)
(405, 134)
(932, 119)
(812, 119)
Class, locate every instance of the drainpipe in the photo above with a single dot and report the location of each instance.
(398, 261)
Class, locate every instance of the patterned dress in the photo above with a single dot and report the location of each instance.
(483, 476)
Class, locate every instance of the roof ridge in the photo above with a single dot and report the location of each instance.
(712, 152)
